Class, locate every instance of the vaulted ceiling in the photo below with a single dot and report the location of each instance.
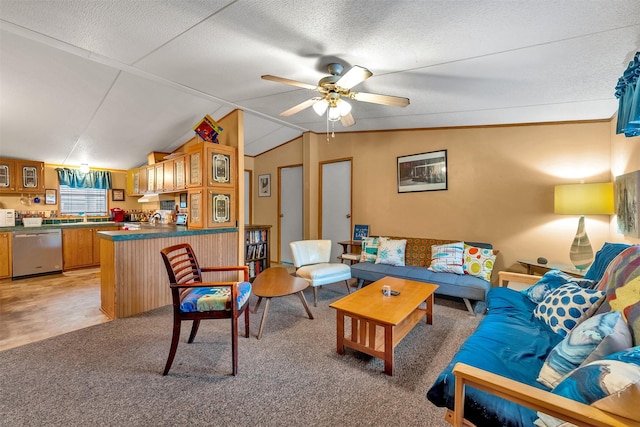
(105, 82)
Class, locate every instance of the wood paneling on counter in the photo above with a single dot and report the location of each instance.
(134, 278)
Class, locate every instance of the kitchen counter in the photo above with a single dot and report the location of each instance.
(161, 230)
(92, 224)
(133, 277)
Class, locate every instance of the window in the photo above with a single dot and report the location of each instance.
(91, 201)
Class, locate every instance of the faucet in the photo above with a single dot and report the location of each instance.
(155, 218)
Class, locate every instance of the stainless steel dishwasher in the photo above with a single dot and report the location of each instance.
(37, 252)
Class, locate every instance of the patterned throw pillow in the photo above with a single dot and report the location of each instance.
(391, 252)
(593, 339)
(551, 280)
(611, 384)
(447, 258)
(478, 262)
(567, 306)
(627, 300)
(369, 251)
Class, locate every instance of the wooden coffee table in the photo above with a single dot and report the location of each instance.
(379, 323)
(277, 282)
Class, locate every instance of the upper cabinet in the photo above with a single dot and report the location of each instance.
(21, 176)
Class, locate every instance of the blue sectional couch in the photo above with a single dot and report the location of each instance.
(470, 288)
(513, 342)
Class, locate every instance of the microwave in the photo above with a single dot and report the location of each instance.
(7, 217)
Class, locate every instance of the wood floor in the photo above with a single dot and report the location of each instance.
(37, 308)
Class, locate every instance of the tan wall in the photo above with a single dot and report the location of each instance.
(265, 209)
(500, 190)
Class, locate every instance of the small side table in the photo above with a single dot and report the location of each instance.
(534, 267)
(277, 282)
(350, 251)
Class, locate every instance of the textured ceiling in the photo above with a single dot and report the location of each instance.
(107, 81)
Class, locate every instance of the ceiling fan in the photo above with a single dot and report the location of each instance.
(333, 90)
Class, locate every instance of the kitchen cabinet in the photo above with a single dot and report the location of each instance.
(159, 174)
(21, 176)
(151, 179)
(195, 159)
(221, 207)
(5, 255)
(81, 247)
(30, 176)
(7, 175)
(180, 173)
(167, 178)
(142, 180)
(133, 182)
(212, 190)
(195, 202)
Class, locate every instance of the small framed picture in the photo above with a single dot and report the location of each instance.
(50, 197)
(360, 231)
(117, 194)
(264, 185)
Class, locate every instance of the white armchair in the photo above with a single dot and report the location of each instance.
(311, 259)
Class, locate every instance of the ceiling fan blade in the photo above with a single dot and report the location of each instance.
(354, 76)
(347, 120)
(290, 82)
(297, 108)
(394, 101)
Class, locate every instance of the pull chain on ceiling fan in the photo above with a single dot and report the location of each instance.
(333, 90)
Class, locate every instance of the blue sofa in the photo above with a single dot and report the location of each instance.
(512, 343)
(417, 259)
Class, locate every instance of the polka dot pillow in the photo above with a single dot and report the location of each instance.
(567, 306)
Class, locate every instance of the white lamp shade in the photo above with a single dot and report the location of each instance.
(584, 199)
(334, 114)
(344, 107)
(320, 107)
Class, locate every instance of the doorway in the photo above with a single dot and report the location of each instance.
(290, 212)
(336, 204)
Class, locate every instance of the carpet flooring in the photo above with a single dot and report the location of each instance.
(110, 374)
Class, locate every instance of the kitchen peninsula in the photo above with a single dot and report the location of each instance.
(133, 276)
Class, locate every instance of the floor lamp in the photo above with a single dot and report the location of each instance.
(583, 199)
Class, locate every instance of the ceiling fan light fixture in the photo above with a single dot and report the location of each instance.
(344, 107)
(334, 114)
(320, 107)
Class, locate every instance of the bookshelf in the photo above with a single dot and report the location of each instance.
(257, 248)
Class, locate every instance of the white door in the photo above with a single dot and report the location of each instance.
(336, 204)
(291, 215)
(247, 198)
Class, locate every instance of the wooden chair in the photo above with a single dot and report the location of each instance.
(195, 300)
(311, 259)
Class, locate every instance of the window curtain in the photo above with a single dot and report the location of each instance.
(92, 179)
(628, 94)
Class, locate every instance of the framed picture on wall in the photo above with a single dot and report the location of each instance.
(264, 185)
(50, 196)
(117, 195)
(422, 172)
(627, 196)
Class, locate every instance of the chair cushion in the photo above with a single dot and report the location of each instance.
(214, 299)
(324, 273)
